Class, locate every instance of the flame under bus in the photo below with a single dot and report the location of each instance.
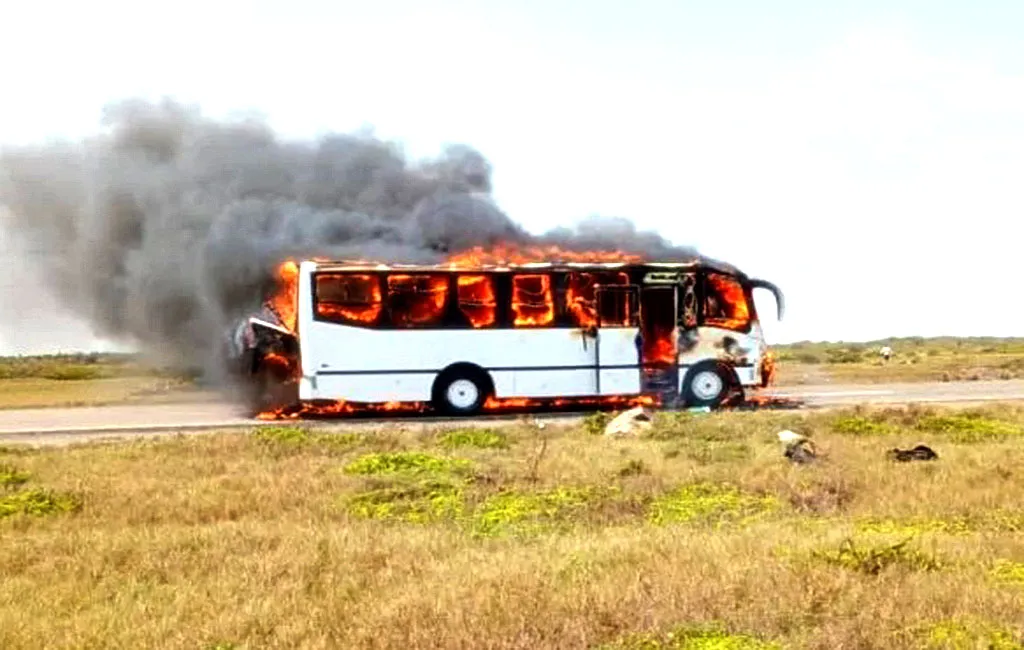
(460, 338)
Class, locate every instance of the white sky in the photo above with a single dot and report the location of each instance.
(867, 156)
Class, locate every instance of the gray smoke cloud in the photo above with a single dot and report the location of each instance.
(166, 227)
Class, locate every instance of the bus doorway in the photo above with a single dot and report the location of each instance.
(659, 345)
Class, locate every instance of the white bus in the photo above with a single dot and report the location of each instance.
(686, 333)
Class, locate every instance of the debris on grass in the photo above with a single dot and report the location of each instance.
(630, 423)
(919, 452)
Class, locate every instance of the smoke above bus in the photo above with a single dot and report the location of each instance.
(168, 226)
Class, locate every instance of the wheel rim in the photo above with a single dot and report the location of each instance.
(462, 393)
(707, 385)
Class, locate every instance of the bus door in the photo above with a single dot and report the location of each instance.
(659, 343)
(615, 352)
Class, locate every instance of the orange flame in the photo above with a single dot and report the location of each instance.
(349, 297)
(476, 299)
(283, 302)
(727, 307)
(661, 349)
(504, 254)
(769, 369)
(491, 406)
(417, 300)
(532, 302)
(581, 298)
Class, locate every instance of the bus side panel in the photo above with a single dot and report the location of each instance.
(619, 357)
(556, 362)
(362, 364)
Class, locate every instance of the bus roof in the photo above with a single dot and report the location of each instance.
(696, 262)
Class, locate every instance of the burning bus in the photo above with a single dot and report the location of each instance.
(491, 329)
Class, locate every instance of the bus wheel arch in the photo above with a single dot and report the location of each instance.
(461, 389)
(709, 384)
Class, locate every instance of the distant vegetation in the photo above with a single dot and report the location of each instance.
(77, 367)
(913, 359)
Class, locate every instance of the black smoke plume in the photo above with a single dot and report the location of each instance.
(165, 228)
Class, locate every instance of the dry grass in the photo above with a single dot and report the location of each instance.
(699, 535)
(916, 359)
(53, 393)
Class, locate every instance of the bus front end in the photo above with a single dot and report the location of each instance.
(724, 353)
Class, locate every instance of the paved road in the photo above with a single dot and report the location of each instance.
(66, 424)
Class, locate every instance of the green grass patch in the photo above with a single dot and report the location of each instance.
(1009, 572)
(969, 426)
(405, 462)
(860, 426)
(479, 438)
(418, 501)
(967, 633)
(916, 526)
(708, 503)
(37, 502)
(292, 438)
(11, 477)
(874, 559)
(595, 423)
(691, 638)
(528, 511)
(709, 453)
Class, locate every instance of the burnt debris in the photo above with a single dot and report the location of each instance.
(920, 452)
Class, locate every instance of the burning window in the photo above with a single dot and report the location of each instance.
(532, 302)
(725, 304)
(581, 299)
(417, 300)
(348, 298)
(476, 299)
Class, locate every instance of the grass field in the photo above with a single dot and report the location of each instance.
(698, 534)
(915, 359)
(87, 380)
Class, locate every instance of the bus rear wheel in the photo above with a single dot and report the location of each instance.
(461, 391)
(707, 384)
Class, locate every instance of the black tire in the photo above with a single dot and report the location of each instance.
(461, 390)
(708, 384)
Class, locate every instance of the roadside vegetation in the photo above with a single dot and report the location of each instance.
(913, 359)
(696, 534)
(87, 380)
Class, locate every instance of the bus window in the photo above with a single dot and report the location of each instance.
(725, 304)
(417, 300)
(532, 302)
(476, 299)
(348, 298)
(581, 300)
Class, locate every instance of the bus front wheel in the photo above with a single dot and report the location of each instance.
(707, 384)
(461, 390)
